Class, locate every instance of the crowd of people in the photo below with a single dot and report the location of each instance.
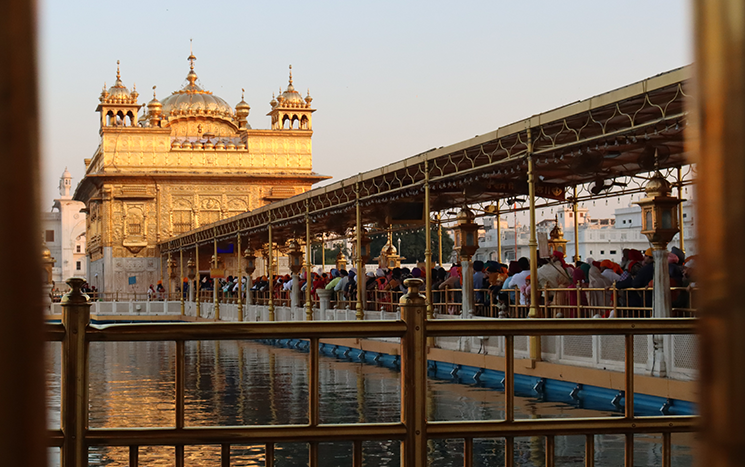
(599, 288)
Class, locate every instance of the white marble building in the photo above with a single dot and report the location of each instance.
(63, 229)
(598, 238)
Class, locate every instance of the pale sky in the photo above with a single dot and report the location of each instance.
(389, 79)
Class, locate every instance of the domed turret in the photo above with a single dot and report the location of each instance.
(241, 111)
(117, 105)
(290, 110)
(155, 111)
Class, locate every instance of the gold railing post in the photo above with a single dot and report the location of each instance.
(76, 316)
(534, 311)
(439, 239)
(414, 375)
(181, 280)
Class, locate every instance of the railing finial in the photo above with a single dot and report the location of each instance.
(75, 295)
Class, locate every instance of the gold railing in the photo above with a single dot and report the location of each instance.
(76, 333)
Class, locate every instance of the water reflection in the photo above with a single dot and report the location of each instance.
(248, 383)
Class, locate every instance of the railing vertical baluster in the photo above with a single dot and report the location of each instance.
(180, 395)
(509, 451)
(629, 450)
(414, 376)
(225, 455)
(590, 450)
(357, 453)
(134, 455)
(550, 450)
(629, 374)
(313, 397)
(666, 449)
(74, 398)
(468, 452)
(509, 378)
(269, 454)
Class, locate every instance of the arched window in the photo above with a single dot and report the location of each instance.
(304, 122)
(181, 221)
(134, 224)
(286, 123)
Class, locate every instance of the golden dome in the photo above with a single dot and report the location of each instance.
(154, 104)
(657, 186)
(191, 100)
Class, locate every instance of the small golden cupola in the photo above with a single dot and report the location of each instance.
(241, 112)
(155, 111)
(117, 105)
(290, 111)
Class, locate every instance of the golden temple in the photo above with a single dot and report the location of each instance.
(174, 165)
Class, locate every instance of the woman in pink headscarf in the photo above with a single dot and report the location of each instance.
(452, 282)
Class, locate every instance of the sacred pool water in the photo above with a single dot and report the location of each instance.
(246, 382)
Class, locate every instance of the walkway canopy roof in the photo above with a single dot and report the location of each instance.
(604, 146)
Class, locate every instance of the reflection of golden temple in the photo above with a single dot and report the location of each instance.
(185, 161)
(556, 239)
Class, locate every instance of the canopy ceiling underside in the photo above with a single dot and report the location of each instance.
(612, 137)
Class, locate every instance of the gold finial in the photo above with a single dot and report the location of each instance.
(191, 58)
(153, 91)
(243, 91)
(290, 74)
(118, 77)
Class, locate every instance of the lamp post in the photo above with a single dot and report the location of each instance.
(467, 243)
(296, 264)
(659, 224)
(250, 258)
(191, 273)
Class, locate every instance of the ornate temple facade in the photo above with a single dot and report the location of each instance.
(181, 163)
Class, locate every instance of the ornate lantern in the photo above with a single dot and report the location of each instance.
(296, 257)
(341, 260)
(466, 234)
(191, 271)
(171, 268)
(556, 239)
(659, 212)
(248, 254)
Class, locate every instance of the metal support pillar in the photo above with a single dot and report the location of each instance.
(197, 278)
(576, 227)
(499, 233)
(360, 314)
(215, 288)
(270, 272)
(239, 255)
(76, 316)
(428, 244)
(414, 375)
(467, 288)
(181, 280)
(308, 267)
(535, 310)
(680, 210)
(439, 239)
